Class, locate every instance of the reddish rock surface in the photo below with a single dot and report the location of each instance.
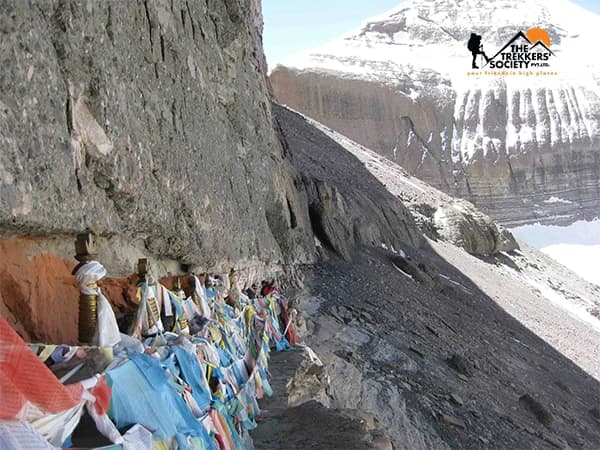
(39, 296)
(121, 293)
(187, 283)
(39, 292)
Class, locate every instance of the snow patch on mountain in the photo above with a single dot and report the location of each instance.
(576, 246)
(575, 309)
(554, 199)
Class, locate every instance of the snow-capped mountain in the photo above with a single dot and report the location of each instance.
(403, 85)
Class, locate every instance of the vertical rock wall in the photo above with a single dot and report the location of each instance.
(149, 120)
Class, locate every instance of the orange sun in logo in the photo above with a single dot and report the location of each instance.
(538, 34)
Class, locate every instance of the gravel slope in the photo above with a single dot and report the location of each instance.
(445, 364)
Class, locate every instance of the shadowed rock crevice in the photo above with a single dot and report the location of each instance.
(315, 212)
(346, 204)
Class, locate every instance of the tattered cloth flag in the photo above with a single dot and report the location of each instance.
(26, 384)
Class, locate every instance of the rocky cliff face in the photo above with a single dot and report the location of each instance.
(150, 121)
(522, 149)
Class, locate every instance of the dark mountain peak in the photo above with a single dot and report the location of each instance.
(542, 45)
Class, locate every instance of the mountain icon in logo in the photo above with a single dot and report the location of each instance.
(516, 37)
(540, 47)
